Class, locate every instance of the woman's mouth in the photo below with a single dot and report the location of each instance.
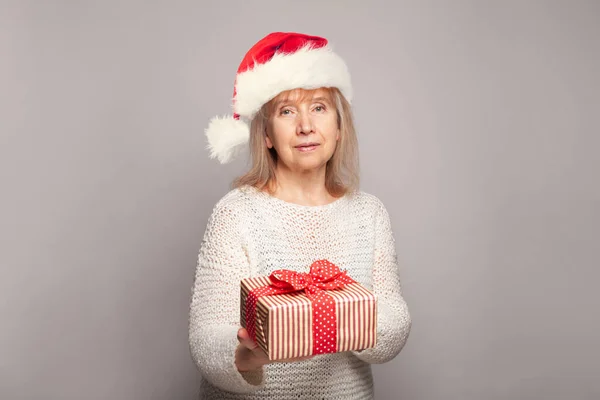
(307, 147)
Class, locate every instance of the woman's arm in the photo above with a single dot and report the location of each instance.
(393, 319)
(215, 305)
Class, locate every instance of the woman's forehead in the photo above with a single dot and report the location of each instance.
(301, 95)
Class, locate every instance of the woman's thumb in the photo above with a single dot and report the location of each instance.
(245, 339)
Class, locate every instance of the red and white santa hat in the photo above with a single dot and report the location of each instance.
(280, 61)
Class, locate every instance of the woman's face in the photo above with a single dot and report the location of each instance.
(303, 129)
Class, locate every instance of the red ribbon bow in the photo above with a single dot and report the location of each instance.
(323, 276)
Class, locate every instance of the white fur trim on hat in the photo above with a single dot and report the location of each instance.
(226, 137)
(307, 68)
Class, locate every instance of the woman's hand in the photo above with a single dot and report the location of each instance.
(249, 356)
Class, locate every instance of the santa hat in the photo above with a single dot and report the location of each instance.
(280, 61)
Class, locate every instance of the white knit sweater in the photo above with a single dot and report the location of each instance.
(251, 233)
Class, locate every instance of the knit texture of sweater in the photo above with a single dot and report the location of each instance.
(251, 233)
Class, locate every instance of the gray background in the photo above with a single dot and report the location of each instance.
(478, 127)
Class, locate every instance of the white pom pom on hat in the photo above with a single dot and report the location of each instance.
(280, 61)
(227, 137)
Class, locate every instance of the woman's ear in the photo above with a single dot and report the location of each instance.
(268, 142)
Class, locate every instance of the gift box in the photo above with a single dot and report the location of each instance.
(294, 314)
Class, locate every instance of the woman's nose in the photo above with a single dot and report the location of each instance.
(305, 124)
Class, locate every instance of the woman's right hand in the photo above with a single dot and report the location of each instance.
(249, 356)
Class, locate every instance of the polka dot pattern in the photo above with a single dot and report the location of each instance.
(251, 302)
(323, 276)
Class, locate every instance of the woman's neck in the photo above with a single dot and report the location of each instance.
(302, 188)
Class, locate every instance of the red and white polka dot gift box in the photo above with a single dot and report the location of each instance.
(295, 314)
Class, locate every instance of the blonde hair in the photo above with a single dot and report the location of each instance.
(342, 169)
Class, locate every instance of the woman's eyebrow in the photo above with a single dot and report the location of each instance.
(321, 99)
(278, 103)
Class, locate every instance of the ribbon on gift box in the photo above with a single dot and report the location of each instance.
(323, 276)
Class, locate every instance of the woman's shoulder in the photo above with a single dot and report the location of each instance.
(366, 200)
(226, 221)
(240, 201)
(235, 200)
(373, 208)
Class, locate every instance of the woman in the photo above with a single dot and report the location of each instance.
(298, 203)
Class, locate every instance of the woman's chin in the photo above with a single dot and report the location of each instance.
(311, 165)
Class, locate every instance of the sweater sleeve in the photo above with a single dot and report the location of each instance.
(393, 319)
(215, 305)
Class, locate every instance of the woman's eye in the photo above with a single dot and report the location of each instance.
(286, 111)
(319, 108)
